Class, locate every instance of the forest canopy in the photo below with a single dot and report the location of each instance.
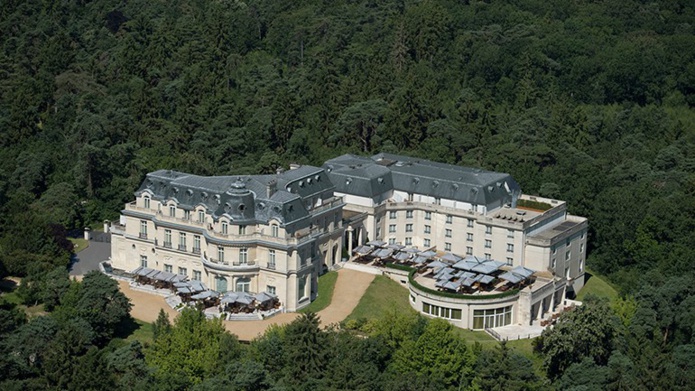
(586, 101)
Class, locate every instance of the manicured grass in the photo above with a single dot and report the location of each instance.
(597, 286)
(382, 297)
(325, 294)
(79, 244)
(143, 333)
(476, 336)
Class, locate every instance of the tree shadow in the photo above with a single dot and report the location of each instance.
(126, 328)
(7, 285)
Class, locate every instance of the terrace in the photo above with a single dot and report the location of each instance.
(445, 273)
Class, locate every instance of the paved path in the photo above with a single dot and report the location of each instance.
(89, 258)
(349, 288)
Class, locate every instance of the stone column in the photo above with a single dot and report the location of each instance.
(349, 231)
(360, 234)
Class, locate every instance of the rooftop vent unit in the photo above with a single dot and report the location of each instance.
(521, 212)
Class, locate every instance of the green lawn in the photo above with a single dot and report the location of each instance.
(597, 286)
(383, 296)
(79, 244)
(143, 333)
(325, 294)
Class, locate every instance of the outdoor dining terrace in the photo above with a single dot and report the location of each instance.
(446, 272)
(184, 293)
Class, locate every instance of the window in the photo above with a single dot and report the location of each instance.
(243, 284)
(408, 241)
(242, 230)
(271, 259)
(428, 229)
(225, 228)
(408, 214)
(183, 271)
(553, 263)
(410, 197)
(243, 255)
(567, 242)
(447, 233)
(438, 201)
(428, 215)
(201, 216)
(182, 241)
(469, 250)
(567, 273)
(488, 230)
(167, 238)
(146, 201)
(449, 219)
(447, 246)
(488, 243)
(568, 254)
(441, 312)
(510, 233)
(510, 261)
(271, 289)
(510, 248)
(167, 268)
(408, 228)
(488, 256)
(554, 250)
(274, 231)
(491, 318)
(196, 244)
(143, 229)
(582, 237)
(378, 232)
(581, 247)
(469, 237)
(143, 260)
(301, 292)
(392, 240)
(392, 214)
(196, 275)
(426, 243)
(220, 254)
(172, 211)
(392, 227)
(186, 214)
(581, 266)
(469, 223)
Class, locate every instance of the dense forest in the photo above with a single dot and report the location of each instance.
(587, 101)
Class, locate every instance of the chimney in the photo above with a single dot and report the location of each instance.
(271, 187)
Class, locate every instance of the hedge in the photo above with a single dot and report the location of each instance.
(398, 267)
(542, 206)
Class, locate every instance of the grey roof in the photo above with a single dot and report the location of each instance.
(369, 177)
(245, 198)
(358, 175)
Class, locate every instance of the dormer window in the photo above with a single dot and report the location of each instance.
(225, 228)
(172, 211)
(274, 231)
(146, 201)
(201, 216)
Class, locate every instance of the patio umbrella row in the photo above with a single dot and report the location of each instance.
(159, 275)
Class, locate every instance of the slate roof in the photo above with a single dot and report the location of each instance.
(370, 177)
(243, 198)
